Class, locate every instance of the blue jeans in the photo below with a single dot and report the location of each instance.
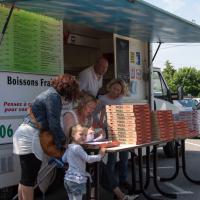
(123, 169)
(74, 188)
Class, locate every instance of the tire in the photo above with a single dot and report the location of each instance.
(169, 149)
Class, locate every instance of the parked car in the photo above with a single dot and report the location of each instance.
(198, 106)
(197, 100)
(185, 104)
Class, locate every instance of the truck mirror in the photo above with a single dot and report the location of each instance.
(180, 92)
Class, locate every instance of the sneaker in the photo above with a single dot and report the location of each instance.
(130, 197)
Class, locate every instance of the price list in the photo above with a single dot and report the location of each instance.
(33, 43)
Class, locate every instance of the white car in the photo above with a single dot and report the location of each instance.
(185, 104)
(197, 100)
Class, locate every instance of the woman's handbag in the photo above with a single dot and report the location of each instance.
(48, 145)
(46, 139)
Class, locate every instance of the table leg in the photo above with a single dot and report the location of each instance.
(97, 186)
(141, 176)
(147, 167)
(88, 192)
(133, 168)
(155, 175)
(184, 164)
(177, 165)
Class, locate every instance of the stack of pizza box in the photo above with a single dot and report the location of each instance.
(196, 121)
(188, 117)
(192, 119)
(181, 129)
(129, 124)
(162, 125)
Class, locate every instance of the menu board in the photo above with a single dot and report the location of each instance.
(32, 43)
(122, 59)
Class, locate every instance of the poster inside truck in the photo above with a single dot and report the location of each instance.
(68, 37)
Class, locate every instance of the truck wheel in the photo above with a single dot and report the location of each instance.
(169, 149)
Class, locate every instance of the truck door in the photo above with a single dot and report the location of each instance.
(162, 96)
(163, 101)
(160, 88)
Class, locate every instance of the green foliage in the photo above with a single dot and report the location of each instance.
(188, 77)
(168, 73)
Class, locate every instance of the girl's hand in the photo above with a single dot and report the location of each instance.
(102, 151)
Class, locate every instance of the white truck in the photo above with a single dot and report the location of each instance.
(69, 36)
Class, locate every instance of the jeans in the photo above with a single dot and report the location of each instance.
(111, 181)
(75, 189)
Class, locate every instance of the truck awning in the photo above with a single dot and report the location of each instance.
(132, 18)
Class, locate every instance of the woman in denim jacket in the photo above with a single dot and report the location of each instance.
(46, 109)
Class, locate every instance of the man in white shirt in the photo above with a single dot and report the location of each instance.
(91, 78)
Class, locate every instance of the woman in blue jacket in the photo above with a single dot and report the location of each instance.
(46, 109)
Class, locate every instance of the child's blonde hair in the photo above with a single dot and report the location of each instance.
(73, 130)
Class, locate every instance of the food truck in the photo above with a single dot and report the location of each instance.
(41, 39)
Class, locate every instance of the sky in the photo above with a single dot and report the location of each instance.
(177, 53)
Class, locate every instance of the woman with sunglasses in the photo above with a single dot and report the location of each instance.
(83, 115)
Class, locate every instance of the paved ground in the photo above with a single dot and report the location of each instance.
(180, 186)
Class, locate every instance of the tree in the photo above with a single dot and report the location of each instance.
(168, 73)
(189, 78)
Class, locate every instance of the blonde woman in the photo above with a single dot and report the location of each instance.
(116, 90)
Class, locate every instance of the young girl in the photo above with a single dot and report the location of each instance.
(76, 175)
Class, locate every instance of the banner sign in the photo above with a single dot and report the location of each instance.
(18, 91)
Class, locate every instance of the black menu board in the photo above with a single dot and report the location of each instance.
(122, 59)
